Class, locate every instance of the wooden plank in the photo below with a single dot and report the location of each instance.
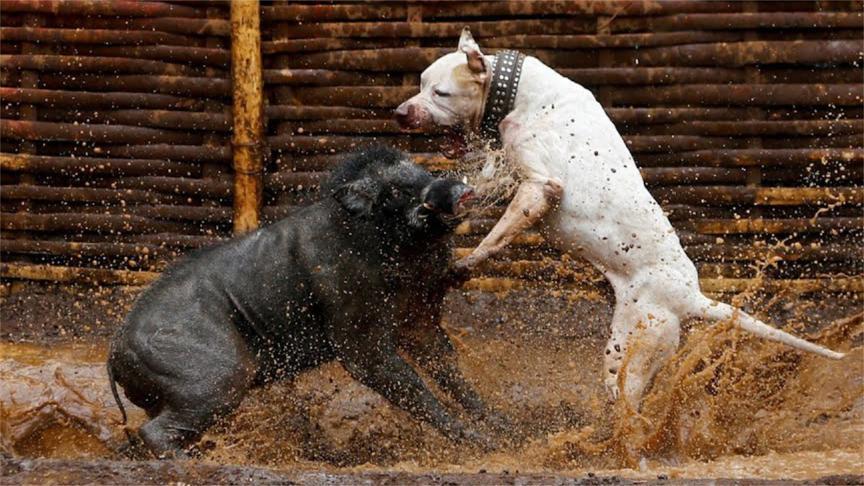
(76, 274)
(246, 74)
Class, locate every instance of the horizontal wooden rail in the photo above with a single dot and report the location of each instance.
(376, 11)
(447, 30)
(739, 21)
(738, 94)
(773, 226)
(82, 99)
(200, 87)
(410, 59)
(760, 196)
(58, 165)
(696, 94)
(105, 196)
(91, 36)
(178, 185)
(120, 8)
(175, 25)
(75, 132)
(54, 273)
(199, 56)
(651, 39)
(160, 243)
(756, 157)
(191, 153)
(96, 223)
(754, 52)
(73, 64)
(488, 284)
(323, 77)
(748, 128)
(82, 248)
(177, 120)
(709, 285)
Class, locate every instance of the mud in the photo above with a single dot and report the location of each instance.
(727, 405)
(153, 472)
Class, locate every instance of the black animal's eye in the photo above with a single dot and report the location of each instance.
(442, 94)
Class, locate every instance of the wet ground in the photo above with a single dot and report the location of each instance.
(49, 471)
(727, 406)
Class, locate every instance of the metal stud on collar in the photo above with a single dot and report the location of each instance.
(502, 91)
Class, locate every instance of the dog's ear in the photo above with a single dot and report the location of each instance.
(358, 196)
(467, 44)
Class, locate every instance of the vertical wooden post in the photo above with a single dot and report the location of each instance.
(248, 113)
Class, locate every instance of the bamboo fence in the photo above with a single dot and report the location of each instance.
(130, 137)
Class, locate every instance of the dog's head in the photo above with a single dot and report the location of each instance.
(451, 90)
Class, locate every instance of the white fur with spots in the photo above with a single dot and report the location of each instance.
(560, 137)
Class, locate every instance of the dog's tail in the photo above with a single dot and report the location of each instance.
(113, 384)
(718, 311)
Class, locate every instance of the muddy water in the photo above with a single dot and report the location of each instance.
(726, 406)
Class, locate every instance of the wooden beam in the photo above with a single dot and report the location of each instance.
(76, 274)
(246, 69)
(489, 284)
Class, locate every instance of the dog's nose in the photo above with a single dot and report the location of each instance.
(401, 110)
(403, 114)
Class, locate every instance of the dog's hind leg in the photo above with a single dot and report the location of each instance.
(643, 339)
(613, 356)
(718, 311)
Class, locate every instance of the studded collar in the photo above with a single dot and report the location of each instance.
(501, 92)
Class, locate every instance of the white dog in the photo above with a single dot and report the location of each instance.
(565, 146)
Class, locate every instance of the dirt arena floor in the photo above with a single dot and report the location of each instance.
(728, 406)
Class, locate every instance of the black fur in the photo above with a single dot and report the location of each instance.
(352, 277)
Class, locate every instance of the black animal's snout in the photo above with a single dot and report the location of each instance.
(463, 196)
(447, 197)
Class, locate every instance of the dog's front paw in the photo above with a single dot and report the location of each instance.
(462, 265)
(468, 263)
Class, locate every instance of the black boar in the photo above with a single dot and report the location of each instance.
(352, 277)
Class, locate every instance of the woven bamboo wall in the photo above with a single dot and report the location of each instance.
(746, 118)
(115, 130)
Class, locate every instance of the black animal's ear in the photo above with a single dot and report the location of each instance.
(357, 196)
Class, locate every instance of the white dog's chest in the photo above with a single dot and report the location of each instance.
(606, 214)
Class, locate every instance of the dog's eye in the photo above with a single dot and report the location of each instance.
(442, 94)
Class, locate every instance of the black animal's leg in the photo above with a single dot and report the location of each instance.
(377, 365)
(434, 352)
(186, 417)
(167, 435)
(198, 380)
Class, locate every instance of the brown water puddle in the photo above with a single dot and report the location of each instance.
(726, 406)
